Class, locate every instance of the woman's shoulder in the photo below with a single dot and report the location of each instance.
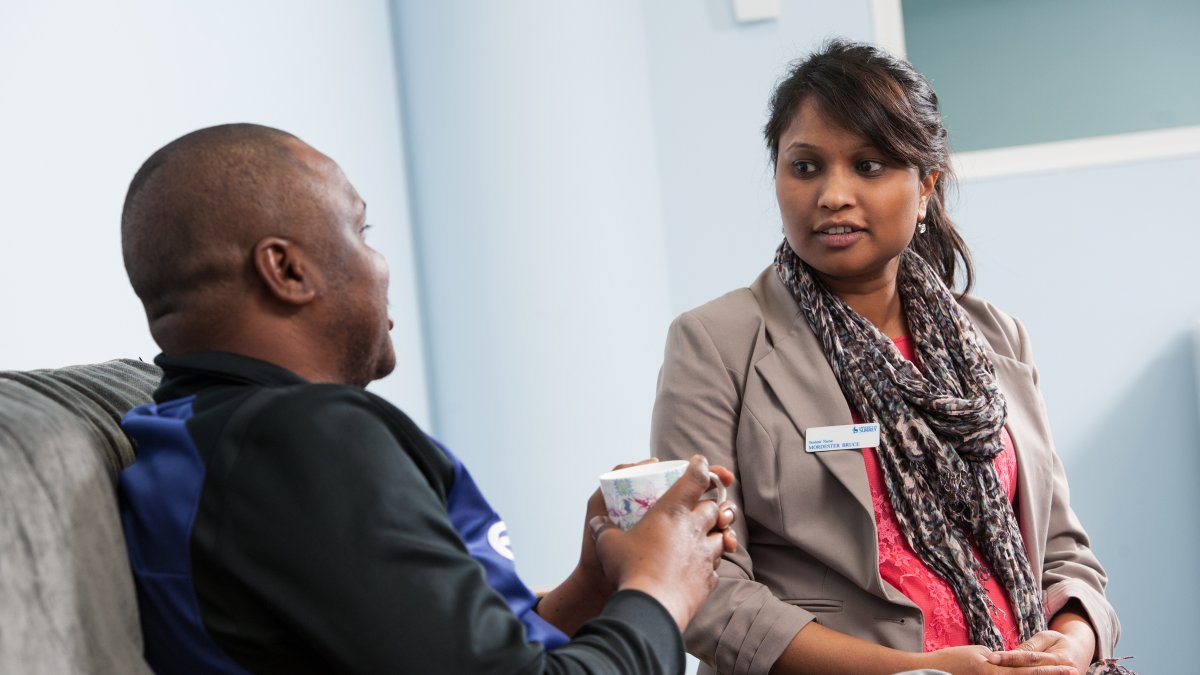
(729, 308)
(737, 324)
(1003, 331)
(745, 309)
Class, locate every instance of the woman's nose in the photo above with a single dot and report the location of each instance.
(837, 191)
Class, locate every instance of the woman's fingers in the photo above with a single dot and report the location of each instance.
(1023, 658)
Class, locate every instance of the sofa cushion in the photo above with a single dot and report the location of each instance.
(67, 601)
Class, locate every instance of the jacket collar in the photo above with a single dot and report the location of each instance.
(186, 374)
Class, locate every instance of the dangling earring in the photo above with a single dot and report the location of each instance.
(921, 228)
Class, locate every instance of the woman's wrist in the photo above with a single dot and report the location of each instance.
(818, 649)
(1072, 621)
(917, 660)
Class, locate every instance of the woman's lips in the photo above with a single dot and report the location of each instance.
(839, 237)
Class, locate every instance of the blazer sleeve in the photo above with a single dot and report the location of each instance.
(1070, 570)
(742, 627)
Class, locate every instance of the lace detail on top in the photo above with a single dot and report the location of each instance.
(945, 625)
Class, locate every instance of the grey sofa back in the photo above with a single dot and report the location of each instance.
(67, 601)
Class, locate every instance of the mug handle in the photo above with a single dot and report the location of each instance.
(720, 487)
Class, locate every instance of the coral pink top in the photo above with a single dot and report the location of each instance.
(899, 565)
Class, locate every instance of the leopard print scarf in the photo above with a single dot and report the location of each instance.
(939, 432)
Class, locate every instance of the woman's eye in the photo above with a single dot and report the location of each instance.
(803, 168)
(363, 232)
(870, 166)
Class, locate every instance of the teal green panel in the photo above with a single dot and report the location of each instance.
(1014, 72)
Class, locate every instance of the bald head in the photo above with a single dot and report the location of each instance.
(242, 238)
(197, 207)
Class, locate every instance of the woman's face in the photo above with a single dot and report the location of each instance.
(848, 211)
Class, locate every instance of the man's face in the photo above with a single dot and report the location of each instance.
(355, 315)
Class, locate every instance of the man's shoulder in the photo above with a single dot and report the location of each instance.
(316, 414)
(310, 423)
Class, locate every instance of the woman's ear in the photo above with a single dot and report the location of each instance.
(928, 183)
(285, 271)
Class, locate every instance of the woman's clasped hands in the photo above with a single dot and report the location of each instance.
(1046, 653)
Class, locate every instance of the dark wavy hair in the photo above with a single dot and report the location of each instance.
(885, 100)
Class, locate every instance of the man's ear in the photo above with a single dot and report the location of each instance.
(285, 271)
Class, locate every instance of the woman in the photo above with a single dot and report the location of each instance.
(945, 541)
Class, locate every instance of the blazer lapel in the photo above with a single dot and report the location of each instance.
(798, 374)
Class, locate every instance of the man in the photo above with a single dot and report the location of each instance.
(280, 518)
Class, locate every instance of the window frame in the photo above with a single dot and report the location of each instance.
(1183, 141)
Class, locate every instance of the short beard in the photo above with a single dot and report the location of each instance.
(363, 365)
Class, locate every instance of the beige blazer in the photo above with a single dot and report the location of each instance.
(742, 380)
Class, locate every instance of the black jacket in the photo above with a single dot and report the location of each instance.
(289, 527)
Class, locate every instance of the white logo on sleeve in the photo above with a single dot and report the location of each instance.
(498, 539)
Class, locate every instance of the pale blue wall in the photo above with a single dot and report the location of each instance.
(538, 221)
(89, 89)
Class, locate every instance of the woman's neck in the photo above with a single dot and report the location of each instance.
(877, 301)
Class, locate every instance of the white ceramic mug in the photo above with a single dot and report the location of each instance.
(630, 492)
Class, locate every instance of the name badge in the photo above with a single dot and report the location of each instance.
(847, 437)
